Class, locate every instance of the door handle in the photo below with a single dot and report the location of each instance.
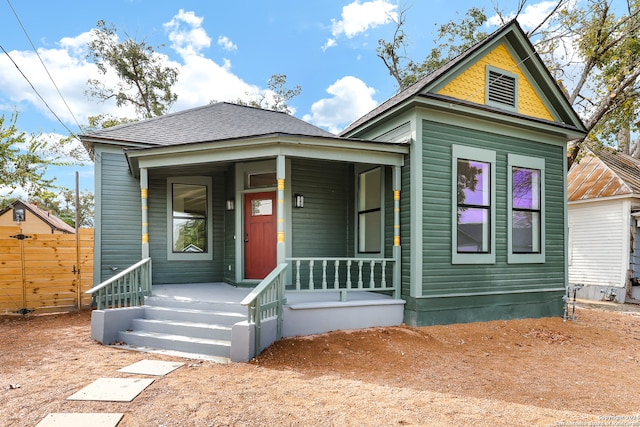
(246, 238)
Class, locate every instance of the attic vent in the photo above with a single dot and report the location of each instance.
(501, 89)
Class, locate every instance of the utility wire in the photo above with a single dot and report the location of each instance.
(45, 68)
(38, 93)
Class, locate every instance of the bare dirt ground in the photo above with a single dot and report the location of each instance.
(538, 372)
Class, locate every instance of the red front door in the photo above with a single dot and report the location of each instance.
(259, 234)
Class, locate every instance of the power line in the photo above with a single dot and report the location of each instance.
(46, 69)
(38, 93)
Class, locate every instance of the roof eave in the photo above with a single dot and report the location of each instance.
(135, 155)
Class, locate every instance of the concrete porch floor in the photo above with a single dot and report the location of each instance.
(223, 292)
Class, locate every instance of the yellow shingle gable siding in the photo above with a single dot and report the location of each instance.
(471, 84)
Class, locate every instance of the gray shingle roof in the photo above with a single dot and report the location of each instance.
(212, 122)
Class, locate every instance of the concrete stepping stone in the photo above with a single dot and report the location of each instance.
(80, 420)
(151, 367)
(112, 389)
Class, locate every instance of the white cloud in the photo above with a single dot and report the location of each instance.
(351, 99)
(190, 40)
(358, 17)
(200, 79)
(329, 43)
(226, 43)
(69, 69)
(13, 193)
(529, 18)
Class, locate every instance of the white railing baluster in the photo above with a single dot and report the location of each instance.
(324, 274)
(383, 279)
(372, 281)
(377, 280)
(126, 289)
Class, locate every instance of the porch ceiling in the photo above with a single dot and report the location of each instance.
(270, 146)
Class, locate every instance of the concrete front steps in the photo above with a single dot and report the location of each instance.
(185, 328)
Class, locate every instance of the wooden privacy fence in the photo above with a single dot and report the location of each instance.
(44, 272)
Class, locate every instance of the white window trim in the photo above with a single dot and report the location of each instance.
(530, 163)
(194, 180)
(358, 170)
(487, 156)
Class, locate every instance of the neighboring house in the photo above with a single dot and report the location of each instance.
(604, 238)
(453, 191)
(32, 219)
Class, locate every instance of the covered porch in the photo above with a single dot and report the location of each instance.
(329, 208)
(304, 230)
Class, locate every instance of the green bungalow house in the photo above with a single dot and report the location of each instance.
(446, 203)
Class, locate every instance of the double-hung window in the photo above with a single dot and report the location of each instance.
(473, 205)
(526, 236)
(189, 218)
(370, 211)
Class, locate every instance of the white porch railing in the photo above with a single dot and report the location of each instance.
(345, 275)
(265, 301)
(126, 289)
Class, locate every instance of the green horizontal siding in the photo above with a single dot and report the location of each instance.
(121, 217)
(175, 272)
(323, 227)
(442, 277)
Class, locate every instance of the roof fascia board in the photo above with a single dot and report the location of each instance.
(114, 142)
(298, 140)
(605, 199)
(385, 154)
(551, 82)
(486, 119)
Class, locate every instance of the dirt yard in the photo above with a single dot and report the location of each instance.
(540, 372)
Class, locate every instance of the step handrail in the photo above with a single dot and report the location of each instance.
(125, 289)
(266, 300)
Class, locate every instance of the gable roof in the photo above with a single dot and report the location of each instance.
(51, 220)
(527, 57)
(603, 172)
(211, 122)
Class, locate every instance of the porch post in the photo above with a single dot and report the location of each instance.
(144, 195)
(280, 175)
(396, 230)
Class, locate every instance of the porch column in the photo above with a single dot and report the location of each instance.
(144, 195)
(396, 230)
(280, 175)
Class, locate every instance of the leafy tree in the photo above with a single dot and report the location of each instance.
(453, 39)
(24, 159)
(144, 82)
(276, 98)
(593, 54)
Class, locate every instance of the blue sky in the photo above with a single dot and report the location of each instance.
(223, 49)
